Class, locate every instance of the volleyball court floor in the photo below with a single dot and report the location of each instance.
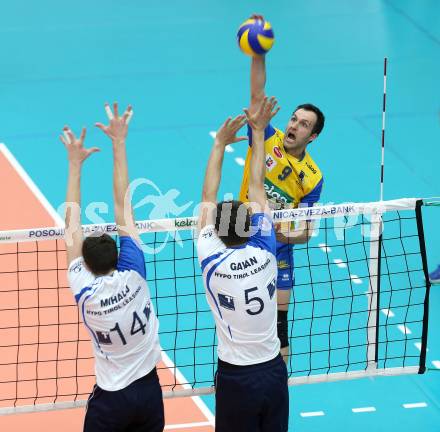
(183, 85)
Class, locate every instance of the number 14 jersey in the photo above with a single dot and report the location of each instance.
(118, 313)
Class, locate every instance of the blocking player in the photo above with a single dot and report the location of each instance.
(114, 300)
(236, 251)
(292, 179)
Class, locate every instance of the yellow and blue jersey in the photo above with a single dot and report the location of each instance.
(289, 183)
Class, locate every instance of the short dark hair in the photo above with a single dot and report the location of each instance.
(320, 119)
(100, 254)
(232, 222)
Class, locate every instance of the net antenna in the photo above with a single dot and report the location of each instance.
(373, 294)
(382, 164)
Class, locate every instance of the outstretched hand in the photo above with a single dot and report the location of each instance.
(262, 117)
(227, 134)
(75, 146)
(118, 127)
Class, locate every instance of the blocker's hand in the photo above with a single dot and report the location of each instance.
(76, 151)
(118, 128)
(261, 118)
(227, 134)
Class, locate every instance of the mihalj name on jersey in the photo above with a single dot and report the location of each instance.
(116, 302)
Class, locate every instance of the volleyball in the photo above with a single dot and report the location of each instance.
(255, 37)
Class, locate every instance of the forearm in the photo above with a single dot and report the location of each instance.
(258, 82)
(121, 184)
(73, 196)
(213, 173)
(257, 169)
(73, 233)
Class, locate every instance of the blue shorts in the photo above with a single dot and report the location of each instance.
(286, 275)
(252, 398)
(136, 408)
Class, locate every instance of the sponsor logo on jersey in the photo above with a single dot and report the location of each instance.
(283, 264)
(226, 301)
(147, 310)
(207, 234)
(76, 268)
(271, 288)
(222, 275)
(275, 193)
(311, 168)
(104, 338)
(301, 176)
(270, 163)
(277, 152)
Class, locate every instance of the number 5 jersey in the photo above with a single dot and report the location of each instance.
(240, 285)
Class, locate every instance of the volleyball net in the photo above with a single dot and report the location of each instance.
(359, 306)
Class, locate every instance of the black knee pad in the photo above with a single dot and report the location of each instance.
(282, 329)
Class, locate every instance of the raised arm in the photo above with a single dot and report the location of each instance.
(76, 154)
(258, 122)
(258, 78)
(117, 132)
(227, 134)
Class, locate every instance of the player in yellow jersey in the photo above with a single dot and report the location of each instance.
(292, 179)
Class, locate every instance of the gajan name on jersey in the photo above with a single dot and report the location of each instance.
(241, 266)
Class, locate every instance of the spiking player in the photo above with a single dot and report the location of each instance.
(239, 273)
(112, 294)
(292, 179)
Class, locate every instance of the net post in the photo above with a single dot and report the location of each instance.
(421, 235)
(374, 290)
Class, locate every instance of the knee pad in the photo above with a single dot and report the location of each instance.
(282, 329)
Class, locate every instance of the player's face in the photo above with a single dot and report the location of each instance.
(299, 129)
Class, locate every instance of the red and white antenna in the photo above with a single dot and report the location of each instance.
(382, 166)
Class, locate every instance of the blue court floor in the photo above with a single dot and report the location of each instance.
(178, 64)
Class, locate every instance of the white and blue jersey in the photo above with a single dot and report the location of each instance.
(240, 287)
(119, 315)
